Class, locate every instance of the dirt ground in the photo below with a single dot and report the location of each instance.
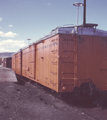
(32, 102)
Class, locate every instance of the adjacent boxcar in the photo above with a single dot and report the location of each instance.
(7, 62)
(0, 61)
(69, 59)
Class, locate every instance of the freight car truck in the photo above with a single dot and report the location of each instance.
(69, 59)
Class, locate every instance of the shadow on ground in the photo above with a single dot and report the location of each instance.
(100, 102)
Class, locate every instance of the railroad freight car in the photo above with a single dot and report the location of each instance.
(0, 61)
(69, 59)
(7, 62)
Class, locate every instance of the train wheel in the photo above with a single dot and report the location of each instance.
(76, 93)
(88, 91)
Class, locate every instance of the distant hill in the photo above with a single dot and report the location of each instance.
(6, 54)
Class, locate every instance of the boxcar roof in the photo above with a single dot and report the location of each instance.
(88, 29)
(79, 30)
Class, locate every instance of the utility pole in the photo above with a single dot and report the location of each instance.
(84, 13)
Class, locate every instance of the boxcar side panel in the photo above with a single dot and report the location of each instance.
(52, 59)
(25, 62)
(32, 61)
(92, 60)
(47, 63)
(39, 63)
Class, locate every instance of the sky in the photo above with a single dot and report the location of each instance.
(24, 19)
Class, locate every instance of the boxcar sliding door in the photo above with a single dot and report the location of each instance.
(32, 62)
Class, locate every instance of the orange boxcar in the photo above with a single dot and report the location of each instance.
(65, 61)
(69, 59)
